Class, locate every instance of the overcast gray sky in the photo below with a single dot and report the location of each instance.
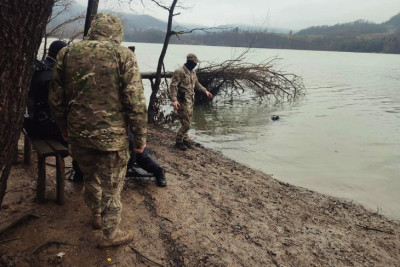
(286, 14)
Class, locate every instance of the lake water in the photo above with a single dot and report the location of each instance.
(342, 140)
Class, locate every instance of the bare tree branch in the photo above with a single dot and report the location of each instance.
(54, 30)
(198, 29)
(58, 29)
(160, 5)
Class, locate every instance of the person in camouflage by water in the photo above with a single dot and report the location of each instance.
(97, 93)
(183, 84)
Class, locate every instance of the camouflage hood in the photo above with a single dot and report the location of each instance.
(106, 27)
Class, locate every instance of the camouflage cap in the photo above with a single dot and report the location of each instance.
(192, 57)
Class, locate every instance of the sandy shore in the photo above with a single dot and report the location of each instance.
(214, 212)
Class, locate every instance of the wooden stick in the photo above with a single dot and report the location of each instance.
(366, 227)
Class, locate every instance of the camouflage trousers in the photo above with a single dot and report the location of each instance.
(185, 113)
(104, 174)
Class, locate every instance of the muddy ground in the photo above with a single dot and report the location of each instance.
(214, 212)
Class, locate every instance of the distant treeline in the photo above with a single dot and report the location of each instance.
(359, 36)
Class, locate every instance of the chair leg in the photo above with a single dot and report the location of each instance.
(41, 183)
(60, 176)
(27, 151)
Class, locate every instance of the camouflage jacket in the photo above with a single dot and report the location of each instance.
(97, 90)
(185, 81)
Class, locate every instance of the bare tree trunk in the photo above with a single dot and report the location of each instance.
(44, 46)
(91, 12)
(156, 85)
(22, 25)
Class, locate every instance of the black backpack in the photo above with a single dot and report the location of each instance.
(38, 121)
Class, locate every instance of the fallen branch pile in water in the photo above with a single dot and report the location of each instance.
(236, 77)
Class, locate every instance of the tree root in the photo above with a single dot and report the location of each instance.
(45, 245)
(141, 256)
(8, 240)
(24, 218)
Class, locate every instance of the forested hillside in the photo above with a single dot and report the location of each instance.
(357, 36)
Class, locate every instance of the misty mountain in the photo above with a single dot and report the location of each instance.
(130, 21)
(394, 22)
(357, 36)
(140, 23)
(359, 27)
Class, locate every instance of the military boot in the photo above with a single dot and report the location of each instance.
(78, 175)
(119, 237)
(188, 144)
(180, 145)
(161, 180)
(96, 219)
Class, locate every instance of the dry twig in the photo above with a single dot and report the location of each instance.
(368, 228)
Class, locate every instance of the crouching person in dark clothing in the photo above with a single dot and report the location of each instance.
(146, 162)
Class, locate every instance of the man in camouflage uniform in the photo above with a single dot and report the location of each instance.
(97, 93)
(183, 83)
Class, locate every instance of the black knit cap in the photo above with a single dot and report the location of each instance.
(55, 47)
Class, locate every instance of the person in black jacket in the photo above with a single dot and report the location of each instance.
(38, 121)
